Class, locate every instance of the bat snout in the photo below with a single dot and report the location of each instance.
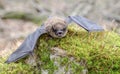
(59, 33)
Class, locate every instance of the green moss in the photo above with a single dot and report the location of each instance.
(100, 52)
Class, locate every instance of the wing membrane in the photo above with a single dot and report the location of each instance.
(27, 46)
(85, 23)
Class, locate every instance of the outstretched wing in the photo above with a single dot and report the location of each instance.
(84, 23)
(27, 46)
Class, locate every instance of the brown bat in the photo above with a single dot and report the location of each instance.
(54, 26)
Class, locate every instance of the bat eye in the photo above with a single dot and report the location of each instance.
(64, 29)
(54, 30)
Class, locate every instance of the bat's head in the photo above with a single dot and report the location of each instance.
(57, 27)
(58, 30)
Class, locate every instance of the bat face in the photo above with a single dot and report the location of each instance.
(58, 30)
(56, 27)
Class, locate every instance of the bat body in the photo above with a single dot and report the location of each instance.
(54, 26)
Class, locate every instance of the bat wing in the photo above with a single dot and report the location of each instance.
(84, 23)
(27, 46)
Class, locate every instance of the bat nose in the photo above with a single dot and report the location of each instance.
(59, 33)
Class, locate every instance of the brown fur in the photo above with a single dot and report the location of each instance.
(57, 23)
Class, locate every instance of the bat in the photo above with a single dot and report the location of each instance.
(54, 26)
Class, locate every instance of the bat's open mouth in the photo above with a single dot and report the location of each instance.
(60, 34)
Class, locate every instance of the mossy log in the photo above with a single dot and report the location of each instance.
(95, 53)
